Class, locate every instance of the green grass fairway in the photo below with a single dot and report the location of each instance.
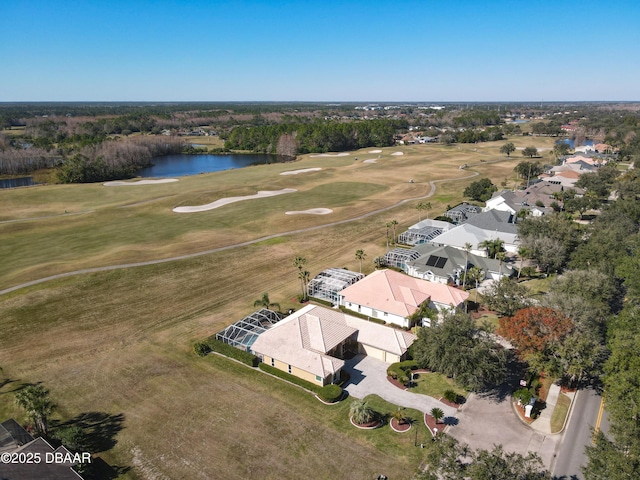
(119, 343)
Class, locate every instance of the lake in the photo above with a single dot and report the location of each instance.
(180, 164)
(571, 144)
(16, 182)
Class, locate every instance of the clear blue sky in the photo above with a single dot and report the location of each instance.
(324, 50)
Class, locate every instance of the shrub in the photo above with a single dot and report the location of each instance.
(450, 396)
(401, 370)
(290, 378)
(361, 412)
(346, 311)
(201, 349)
(523, 395)
(330, 393)
(320, 301)
(232, 352)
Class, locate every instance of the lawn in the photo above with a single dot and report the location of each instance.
(560, 413)
(119, 343)
(489, 319)
(538, 286)
(435, 384)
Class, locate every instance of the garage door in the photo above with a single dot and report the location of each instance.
(373, 352)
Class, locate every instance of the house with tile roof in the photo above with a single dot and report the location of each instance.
(312, 343)
(16, 440)
(394, 297)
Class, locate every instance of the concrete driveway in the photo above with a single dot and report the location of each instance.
(488, 420)
(369, 376)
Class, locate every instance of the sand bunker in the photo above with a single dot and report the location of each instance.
(140, 182)
(311, 211)
(226, 201)
(375, 151)
(370, 160)
(343, 154)
(304, 170)
(395, 154)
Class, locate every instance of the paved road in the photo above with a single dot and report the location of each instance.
(236, 245)
(488, 420)
(577, 435)
(369, 376)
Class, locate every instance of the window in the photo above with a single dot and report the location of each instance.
(273, 362)
(358, 308)
(318, 378)
(385, 314)
(289, 369)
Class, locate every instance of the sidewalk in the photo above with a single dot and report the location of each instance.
(542, 424)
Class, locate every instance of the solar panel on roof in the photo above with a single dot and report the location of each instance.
(441, 262)
(431, 261)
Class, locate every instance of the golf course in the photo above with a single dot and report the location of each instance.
(104, 289)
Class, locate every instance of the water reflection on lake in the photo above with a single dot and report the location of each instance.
(178, 165)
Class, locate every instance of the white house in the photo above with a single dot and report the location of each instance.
(394, 297)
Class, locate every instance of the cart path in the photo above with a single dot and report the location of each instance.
(235, 245)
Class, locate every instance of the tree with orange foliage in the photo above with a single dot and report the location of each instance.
(537, 333)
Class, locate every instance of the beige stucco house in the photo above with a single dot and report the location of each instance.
(312, 343)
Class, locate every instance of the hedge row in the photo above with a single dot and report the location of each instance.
(321, 301)
(290, 378)
(232, 352)
(330, 393)
(346, 311)
(401, 370)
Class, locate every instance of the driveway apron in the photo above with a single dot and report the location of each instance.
(369, 376)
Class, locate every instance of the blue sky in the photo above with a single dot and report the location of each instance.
(325, 50)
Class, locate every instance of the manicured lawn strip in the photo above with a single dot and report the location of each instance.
(435, 384)
(290, 378)
(560, 413)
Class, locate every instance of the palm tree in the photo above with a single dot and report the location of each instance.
(524, 252)
(360, 255)
(388, 226)
(476, 274)
(299, 262)
(437, 414)
(423, 206)
(501, 256)
(467, 249)
(393, 225)
(304, 275)
(398, 415)
(361, 413)
(264, 302)
(492, 246)
(35, 400)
